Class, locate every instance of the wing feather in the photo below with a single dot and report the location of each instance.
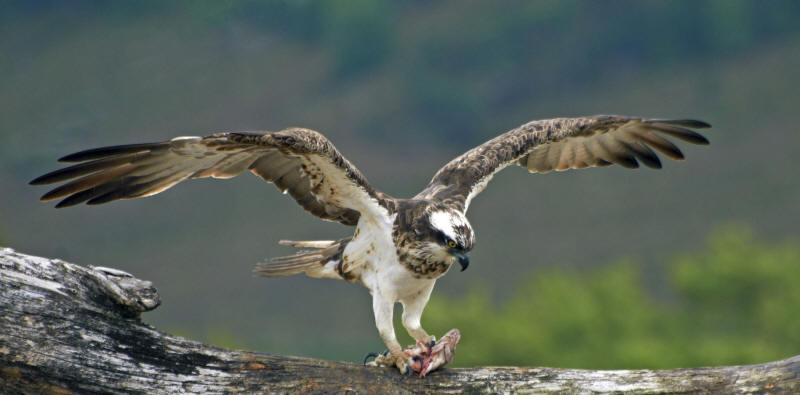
(583, 158)
(661, 144)
(554, 155)
(117, 150)
(617, 153)
(229, 166)
(643, 153)
(84, 183)
(567, 158)
(562, 144)
(146, 186)
(539, 160)
(684, 134)
(298, 161)
(82, 169)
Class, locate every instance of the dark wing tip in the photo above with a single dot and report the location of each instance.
(102, 152)
(51, 195)
(680, 132)
(655, 165)
(627, 161)
(701, 140)
(68, 203)
(101, 200)
(58, 175)
(41, 180)
(689, 123)
(697, 124)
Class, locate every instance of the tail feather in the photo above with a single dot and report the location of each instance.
(307, 244)
(317, 254)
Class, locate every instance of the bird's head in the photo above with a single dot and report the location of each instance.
(450, 236)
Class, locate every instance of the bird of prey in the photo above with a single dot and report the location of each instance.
(399, 247)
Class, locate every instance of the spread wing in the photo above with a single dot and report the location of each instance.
(562, 144)
(300, 162)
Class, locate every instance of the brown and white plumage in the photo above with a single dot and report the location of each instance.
(300, 162)
(400, 246)
(562, 144)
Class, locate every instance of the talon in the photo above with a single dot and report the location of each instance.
(417, 358)
(409, 371)
(370, 355)
(385, 352)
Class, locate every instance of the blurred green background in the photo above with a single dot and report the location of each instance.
(695, 264)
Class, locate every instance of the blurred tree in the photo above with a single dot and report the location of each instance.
(735, 303)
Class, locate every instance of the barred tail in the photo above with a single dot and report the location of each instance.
(313, 259)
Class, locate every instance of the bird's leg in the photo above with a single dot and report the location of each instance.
(421, 352)
(412, 314)
(384, 311)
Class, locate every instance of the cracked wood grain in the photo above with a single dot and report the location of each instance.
(69, 329)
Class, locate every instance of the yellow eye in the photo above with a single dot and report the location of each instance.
(452, 244)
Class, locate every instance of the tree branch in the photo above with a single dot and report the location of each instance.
(71, 329)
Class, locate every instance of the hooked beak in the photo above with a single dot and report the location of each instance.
(463, 260)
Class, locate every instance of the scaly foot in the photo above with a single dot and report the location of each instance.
(403, 362)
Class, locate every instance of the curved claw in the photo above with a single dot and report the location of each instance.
(417, 358)
(370, 355)
(409, 371)
(385, 352)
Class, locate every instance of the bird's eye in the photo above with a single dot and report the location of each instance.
(451, 244)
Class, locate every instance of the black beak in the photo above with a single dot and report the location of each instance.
(463, 260)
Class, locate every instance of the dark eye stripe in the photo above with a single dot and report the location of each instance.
(442, 238)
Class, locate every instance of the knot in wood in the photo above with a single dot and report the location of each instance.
(132, 294)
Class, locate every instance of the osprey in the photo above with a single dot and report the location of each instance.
(399, 246)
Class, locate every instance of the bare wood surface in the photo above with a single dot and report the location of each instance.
(68, 329)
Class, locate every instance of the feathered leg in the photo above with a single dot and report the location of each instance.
(412, 315)
(384, 312)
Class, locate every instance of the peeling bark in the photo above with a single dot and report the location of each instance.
(70, 329)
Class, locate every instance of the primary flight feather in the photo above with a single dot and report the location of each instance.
(400, 246)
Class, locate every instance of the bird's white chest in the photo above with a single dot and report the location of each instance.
(372, 242)
(372, 258)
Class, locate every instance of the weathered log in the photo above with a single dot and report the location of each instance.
(68, 329)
